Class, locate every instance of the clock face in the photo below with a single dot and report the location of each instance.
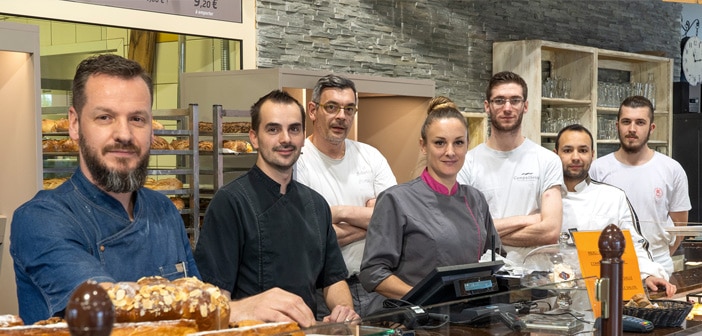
(692, 60)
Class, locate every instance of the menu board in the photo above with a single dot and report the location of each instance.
(587, 244)
(223, 10)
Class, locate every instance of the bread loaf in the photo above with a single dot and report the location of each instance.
(155, 125)
(170, 183)
(157, 299)
(62, 125)
(68, 145)
(236, 127)
(51, 145)
(180, 144)
(48, 126)
(206, 146)
(239, 146)
(178, 202)
(10, 321)
(204, 126)
(160, 143)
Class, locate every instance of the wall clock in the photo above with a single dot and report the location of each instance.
(691, 59)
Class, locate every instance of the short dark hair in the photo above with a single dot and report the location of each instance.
(275, 96)
(332, 81)
(106, 64)
(575, 128)
(506, 77)
(635, 102)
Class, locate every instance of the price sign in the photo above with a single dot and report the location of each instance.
(223, 10)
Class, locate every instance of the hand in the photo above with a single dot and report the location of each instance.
(341, 313)
(370, 203)
(653, 283)
(273, 305)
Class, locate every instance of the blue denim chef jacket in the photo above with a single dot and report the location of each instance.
(62, 237)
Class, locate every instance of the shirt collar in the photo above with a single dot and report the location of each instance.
(268, 182)
(583, 184)
(436, 186)
(97, 195)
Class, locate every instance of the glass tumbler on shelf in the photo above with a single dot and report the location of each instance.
(546, 120)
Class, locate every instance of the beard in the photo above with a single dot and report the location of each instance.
(280, 165)
(633, 148)
(504, 128)
(113, 180)
(579, 176)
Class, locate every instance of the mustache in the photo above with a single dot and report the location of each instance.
(120, 146)
(285, 147)
(338, 124)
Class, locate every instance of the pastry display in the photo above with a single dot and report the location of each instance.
(204, 126)
(159, 328)
(641, 301)
(51, 145)
(68, 145)
(157, 299)
(236, 127)
(164, 184)
(48, 126)
(160, 143)
(53, 183)
(178, 202)
(239, 146)
(10, 321)
(180, 144)
(62, 125)
(205, 146)
(156, 126)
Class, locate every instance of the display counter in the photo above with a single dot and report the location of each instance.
(550, 309)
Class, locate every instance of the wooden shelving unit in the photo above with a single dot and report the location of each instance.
(535, 60)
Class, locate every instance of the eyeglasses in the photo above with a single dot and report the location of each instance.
(502, 101)
(332, 108)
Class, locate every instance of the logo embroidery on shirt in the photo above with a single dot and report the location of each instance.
(527, 176)
(659, 193)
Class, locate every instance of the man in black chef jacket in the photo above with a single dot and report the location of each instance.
(264, 230)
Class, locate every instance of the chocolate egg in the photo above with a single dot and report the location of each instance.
(90, 311)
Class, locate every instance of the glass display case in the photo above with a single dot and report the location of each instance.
(511, 311)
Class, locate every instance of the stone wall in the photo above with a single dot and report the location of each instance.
(450, 41)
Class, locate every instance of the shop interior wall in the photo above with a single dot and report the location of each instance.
(19, 105)
(450, 41)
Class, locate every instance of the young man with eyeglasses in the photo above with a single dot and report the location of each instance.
(521, 180)
(349, 174)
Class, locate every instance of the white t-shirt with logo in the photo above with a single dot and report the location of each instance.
(654, 188)
(513, 181)
(359, 176)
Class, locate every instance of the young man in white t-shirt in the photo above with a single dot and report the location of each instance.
(655, 183)
(521, 180)
(349, 175)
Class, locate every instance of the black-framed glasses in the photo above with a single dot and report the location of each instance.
(332, 108)
(502, 101)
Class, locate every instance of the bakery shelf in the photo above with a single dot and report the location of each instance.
(171, 152)
(219, 153)
(186, 165)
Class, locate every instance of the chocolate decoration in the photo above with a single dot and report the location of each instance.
(611, 245)
(89, 311)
